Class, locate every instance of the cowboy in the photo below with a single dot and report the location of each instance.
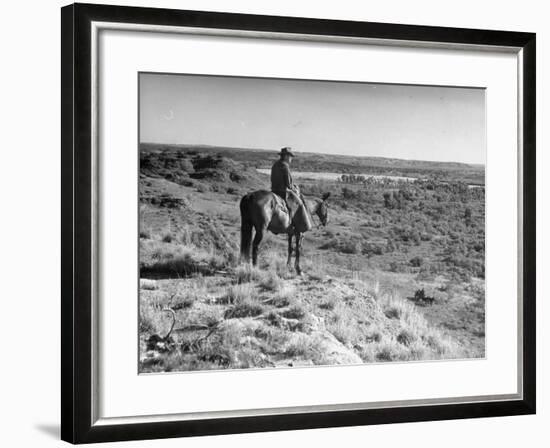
(281, 180)
(282, 185)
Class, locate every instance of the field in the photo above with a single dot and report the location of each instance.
(396, 275)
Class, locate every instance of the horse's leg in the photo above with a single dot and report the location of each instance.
(256, 243)
(246, 239)
(299, 238)
(288, 261)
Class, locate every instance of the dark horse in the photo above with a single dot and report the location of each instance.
(263, 210)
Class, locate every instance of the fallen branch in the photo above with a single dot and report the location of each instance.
(173, 313)
(190, 328)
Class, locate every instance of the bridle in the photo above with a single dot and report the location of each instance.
(320, 221)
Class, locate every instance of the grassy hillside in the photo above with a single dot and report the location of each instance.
(396, 275)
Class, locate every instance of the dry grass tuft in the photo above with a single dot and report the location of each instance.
(271, 281)
(246, 273)
(294, 312)
(167, 237)
(302, 346)
(180, 261)
(406, 337)
(246, 309)
(415, 339)
(147, 284)
(244, 300)
(282, 298)
(275, 262)
(237, 294)
(328, 304)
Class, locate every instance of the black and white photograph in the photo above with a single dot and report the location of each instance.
(289, 223)
(276, 223)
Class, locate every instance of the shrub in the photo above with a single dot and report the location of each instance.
(183, 302)
(295, 312)
(153, 320)
(245, 309)
(342, 331)
(391, 351)
(302, 346)
(279, 302)
(374, 249)
(238, 294)
(442, 346)
(274, 319)
(273, 261)
(282, 298)
(398, 267)
(181, 261)
(146, 324)
(420, 297)
(374, 335)
(246, 273)
(147, 284)
(406, 337)
(346, 245)
(387, 200)
(396, 308)
(393, 312)
(328, 304)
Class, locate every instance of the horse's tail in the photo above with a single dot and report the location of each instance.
(246, 228)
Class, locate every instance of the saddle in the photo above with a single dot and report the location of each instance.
(295, 209)
(280, 204)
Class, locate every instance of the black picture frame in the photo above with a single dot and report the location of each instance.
(76, 218)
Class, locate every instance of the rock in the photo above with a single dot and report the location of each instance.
(334, 352)
(145, 283)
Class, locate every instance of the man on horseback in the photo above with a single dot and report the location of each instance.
(263, 211)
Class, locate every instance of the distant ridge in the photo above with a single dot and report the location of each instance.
(149, 146)
(346, 164)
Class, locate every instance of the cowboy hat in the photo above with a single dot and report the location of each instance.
(286, 151)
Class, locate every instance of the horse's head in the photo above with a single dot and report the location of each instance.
(322, 209)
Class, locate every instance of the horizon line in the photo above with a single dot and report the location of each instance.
(237, 148)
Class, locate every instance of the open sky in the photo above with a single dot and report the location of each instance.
(398, 121)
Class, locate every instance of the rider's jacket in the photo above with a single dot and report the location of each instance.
(281, 180)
